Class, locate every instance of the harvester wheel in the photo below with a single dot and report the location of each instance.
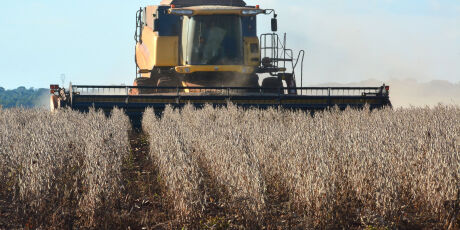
(254, 83)
(144, 81)
(271, 85)
(168, 82)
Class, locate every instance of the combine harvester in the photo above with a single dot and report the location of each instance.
(208, 52)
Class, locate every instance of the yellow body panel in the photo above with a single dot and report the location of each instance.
(167, 51)
(156, 51)
(250, 55)
(214, 68)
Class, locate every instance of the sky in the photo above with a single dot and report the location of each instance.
(92, 42)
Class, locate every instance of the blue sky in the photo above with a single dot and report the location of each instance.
(91, 42)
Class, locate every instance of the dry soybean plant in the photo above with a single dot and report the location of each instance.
(224, 155)
(177, 167)
(393, 168)
(61, 169)
(236, 168)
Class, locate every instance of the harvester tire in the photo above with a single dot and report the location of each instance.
(254, 83)
(144, 81)
(272, 85)
(168, 82)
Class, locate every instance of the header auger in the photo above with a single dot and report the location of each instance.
(209, 52)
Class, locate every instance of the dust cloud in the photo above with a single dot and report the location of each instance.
(415, 49)
(42, 101)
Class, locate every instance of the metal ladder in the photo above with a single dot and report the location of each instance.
(273, 49)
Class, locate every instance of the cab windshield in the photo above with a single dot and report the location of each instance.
(212, 40)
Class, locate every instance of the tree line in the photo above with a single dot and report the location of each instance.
(23, 97)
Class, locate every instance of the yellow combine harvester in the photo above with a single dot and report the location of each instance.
(209, 52)
(206, 44)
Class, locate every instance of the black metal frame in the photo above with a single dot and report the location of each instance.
(138, 34)
(232, 93)
(301, 91)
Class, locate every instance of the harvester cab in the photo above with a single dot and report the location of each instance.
(209, 52)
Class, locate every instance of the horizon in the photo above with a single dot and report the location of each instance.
(366, 82)
(429, 93)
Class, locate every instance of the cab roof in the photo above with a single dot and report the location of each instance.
(213, 9)
(187, 3)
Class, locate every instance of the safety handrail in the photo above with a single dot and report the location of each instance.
(301, 91)
(155, 87)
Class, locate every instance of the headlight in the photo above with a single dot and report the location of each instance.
(252, 12)
(181, 12)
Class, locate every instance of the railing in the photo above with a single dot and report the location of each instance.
(227, 91)
(139, 25)
(275, 48)
(339, 91)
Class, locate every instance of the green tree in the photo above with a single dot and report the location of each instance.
(22, 97)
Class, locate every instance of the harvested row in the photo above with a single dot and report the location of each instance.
(394, 168)
(61, 169)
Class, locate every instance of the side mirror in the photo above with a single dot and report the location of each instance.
(274, 24)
